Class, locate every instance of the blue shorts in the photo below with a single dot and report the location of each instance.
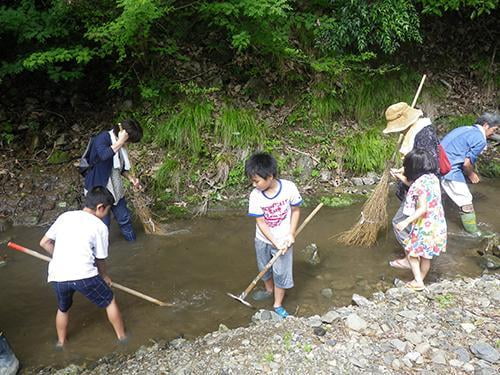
(281, 271)
(94, 289)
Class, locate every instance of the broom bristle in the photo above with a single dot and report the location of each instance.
(373, 217)
(142, 210)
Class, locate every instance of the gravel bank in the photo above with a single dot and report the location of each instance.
(452, 327)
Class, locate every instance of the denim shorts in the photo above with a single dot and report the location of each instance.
(94, 289)
(281, 272)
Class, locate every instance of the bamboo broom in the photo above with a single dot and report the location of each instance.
(374, 212)
(142, 210)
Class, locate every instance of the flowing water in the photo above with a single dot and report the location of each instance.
(195, 270)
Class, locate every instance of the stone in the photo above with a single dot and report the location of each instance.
(355, 323)
(468, 327)
(396, 364)
(484, 302)
(399, 345)
(388, 358)
(330, 316)
(456, 363)
(325, 175)
(414, 338)
(360, 300)
(468, 367)
(462, 354)
(368, 180)
(357, 181)
(409, 314)
(314, 321)
(412, 356)
(319, 331)
(327, 293)
(223, 328)
(485, 351)
(422, 348)
(439, 359)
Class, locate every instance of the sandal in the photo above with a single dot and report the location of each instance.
(280, 310)
(415, 288)
(399, 264)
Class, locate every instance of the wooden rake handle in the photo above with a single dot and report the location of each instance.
(35, 254)
(278, 254)
(413, 103)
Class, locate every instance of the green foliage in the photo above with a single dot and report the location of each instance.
(361, 25)
(455, 121)
(445, 300)
(129, 29)
(367, 151)
(238, 128)
(368, 95)
(268, 357)
(478, 7)
(287, 340)
(6, 134)
(489, 168)
(185, 128)
(58, 157)
(236, 175)
(261, 24)
(336, 201)
(166, 174)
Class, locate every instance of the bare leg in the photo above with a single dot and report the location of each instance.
(279, 295)
(415, 268)
(62, 320)
(425, 266)
(269, 284)
(115, 318)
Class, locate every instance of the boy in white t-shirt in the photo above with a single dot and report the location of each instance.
(275, 205)
(78, 243)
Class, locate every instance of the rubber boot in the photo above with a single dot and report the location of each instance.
(470, 224)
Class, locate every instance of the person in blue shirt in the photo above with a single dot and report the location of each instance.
(109, 161)
(463, 146)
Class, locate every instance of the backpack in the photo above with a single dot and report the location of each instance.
(84, 166)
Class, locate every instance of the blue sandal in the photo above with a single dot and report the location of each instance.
(281, 311)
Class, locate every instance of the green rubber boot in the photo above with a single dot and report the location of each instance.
(470, 224)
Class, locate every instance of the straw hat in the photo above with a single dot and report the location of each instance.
(400, 116)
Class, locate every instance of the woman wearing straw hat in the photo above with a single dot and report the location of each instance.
(419, 133)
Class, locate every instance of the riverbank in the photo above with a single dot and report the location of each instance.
(452, 327)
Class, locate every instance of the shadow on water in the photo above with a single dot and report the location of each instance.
(196, 270)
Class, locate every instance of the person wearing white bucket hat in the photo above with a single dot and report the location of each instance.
(419, 133)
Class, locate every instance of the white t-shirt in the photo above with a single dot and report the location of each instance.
(80, 238)
(276, 209)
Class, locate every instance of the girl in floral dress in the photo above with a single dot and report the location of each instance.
(425, 213)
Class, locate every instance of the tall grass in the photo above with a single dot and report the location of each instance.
(367, 151)
(167, 175)
(239, 128)
(184, 129)
(368, 95)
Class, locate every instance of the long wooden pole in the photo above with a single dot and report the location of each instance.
(35, 254)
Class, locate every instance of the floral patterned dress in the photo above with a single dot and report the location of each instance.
(428, 233)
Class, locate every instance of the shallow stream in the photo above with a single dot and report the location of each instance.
(195, 270)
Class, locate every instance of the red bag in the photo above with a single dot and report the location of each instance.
(444, 162)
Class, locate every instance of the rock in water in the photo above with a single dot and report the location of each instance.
(312, 254)
(5, 224)
(8, 361)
